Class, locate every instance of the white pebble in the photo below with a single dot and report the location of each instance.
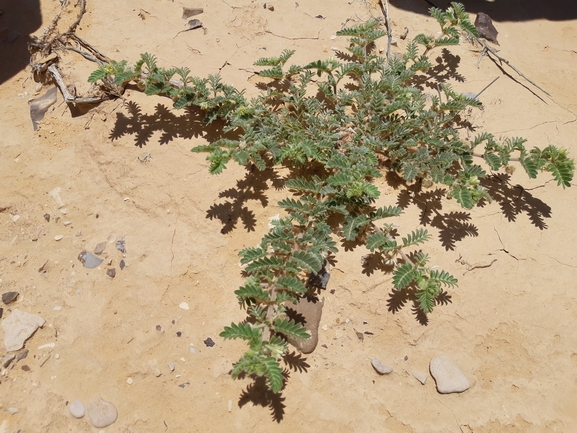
(380, 367)
(230, 405)
(448, 375)
(184, 306)
(67, 223)
(12, 410)
(63, 211)
(57, 308)
(58, 237)
(15, 218)
(129, 381)
(171, 366)
(101, 412)
(77, 409)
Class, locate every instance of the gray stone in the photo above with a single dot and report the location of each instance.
(311, 310)
(77, 409)
(448, 375)
(18, 327)
(9, 297)
(89, 260)
(380, 367)
(100, 247)
(420, 376)
(102, 413)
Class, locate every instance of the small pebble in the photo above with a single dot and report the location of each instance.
(171, 366)
(129, 381)
(47, 217)
(380, 367)
(230, 405)
(63, 211)
(12, 410)
(58, 237)
(57, 308)
(15, 218)
(111, 272)
(184, 306)
(77, 409)
(420, 376)
(100, 247)
(122, 264)
(209, 342)
(67, 223)
(102, 413)
(191, 348)
(9, 297)
(448, 375)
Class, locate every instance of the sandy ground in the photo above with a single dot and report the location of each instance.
(510, 325)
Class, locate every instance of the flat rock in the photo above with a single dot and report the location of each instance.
(380, 367)
(307, 312)
(77, 409)
(448, 375)
(102, 413)
(9, 297)
(18, 327)
(89, 260)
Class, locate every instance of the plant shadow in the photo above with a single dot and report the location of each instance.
(399, 298)
(456, 225)
(259, 394)
(143, 126)
(252, 187)
(442, 72)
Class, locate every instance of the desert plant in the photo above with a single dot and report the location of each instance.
(336, 125)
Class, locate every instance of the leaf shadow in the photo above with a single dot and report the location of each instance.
(258, 394)
(143, 126)
(399, 298)
(453, 226)
(252, 187)
(514, 200)
(444, 71)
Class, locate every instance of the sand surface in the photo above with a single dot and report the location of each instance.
(510, 325)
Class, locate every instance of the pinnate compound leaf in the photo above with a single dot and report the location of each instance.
(443, 277)
(493, 160)
(290, 328)
(376, 241)
(265, 264)
(251, 253)
(291, 283)
(426, 300)
(403, 276)
(562, 173)
(530, 167)
(417, 237)
(463, 197)
(307, 260)
(273, 374)
(240, 330)
(99, 74)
